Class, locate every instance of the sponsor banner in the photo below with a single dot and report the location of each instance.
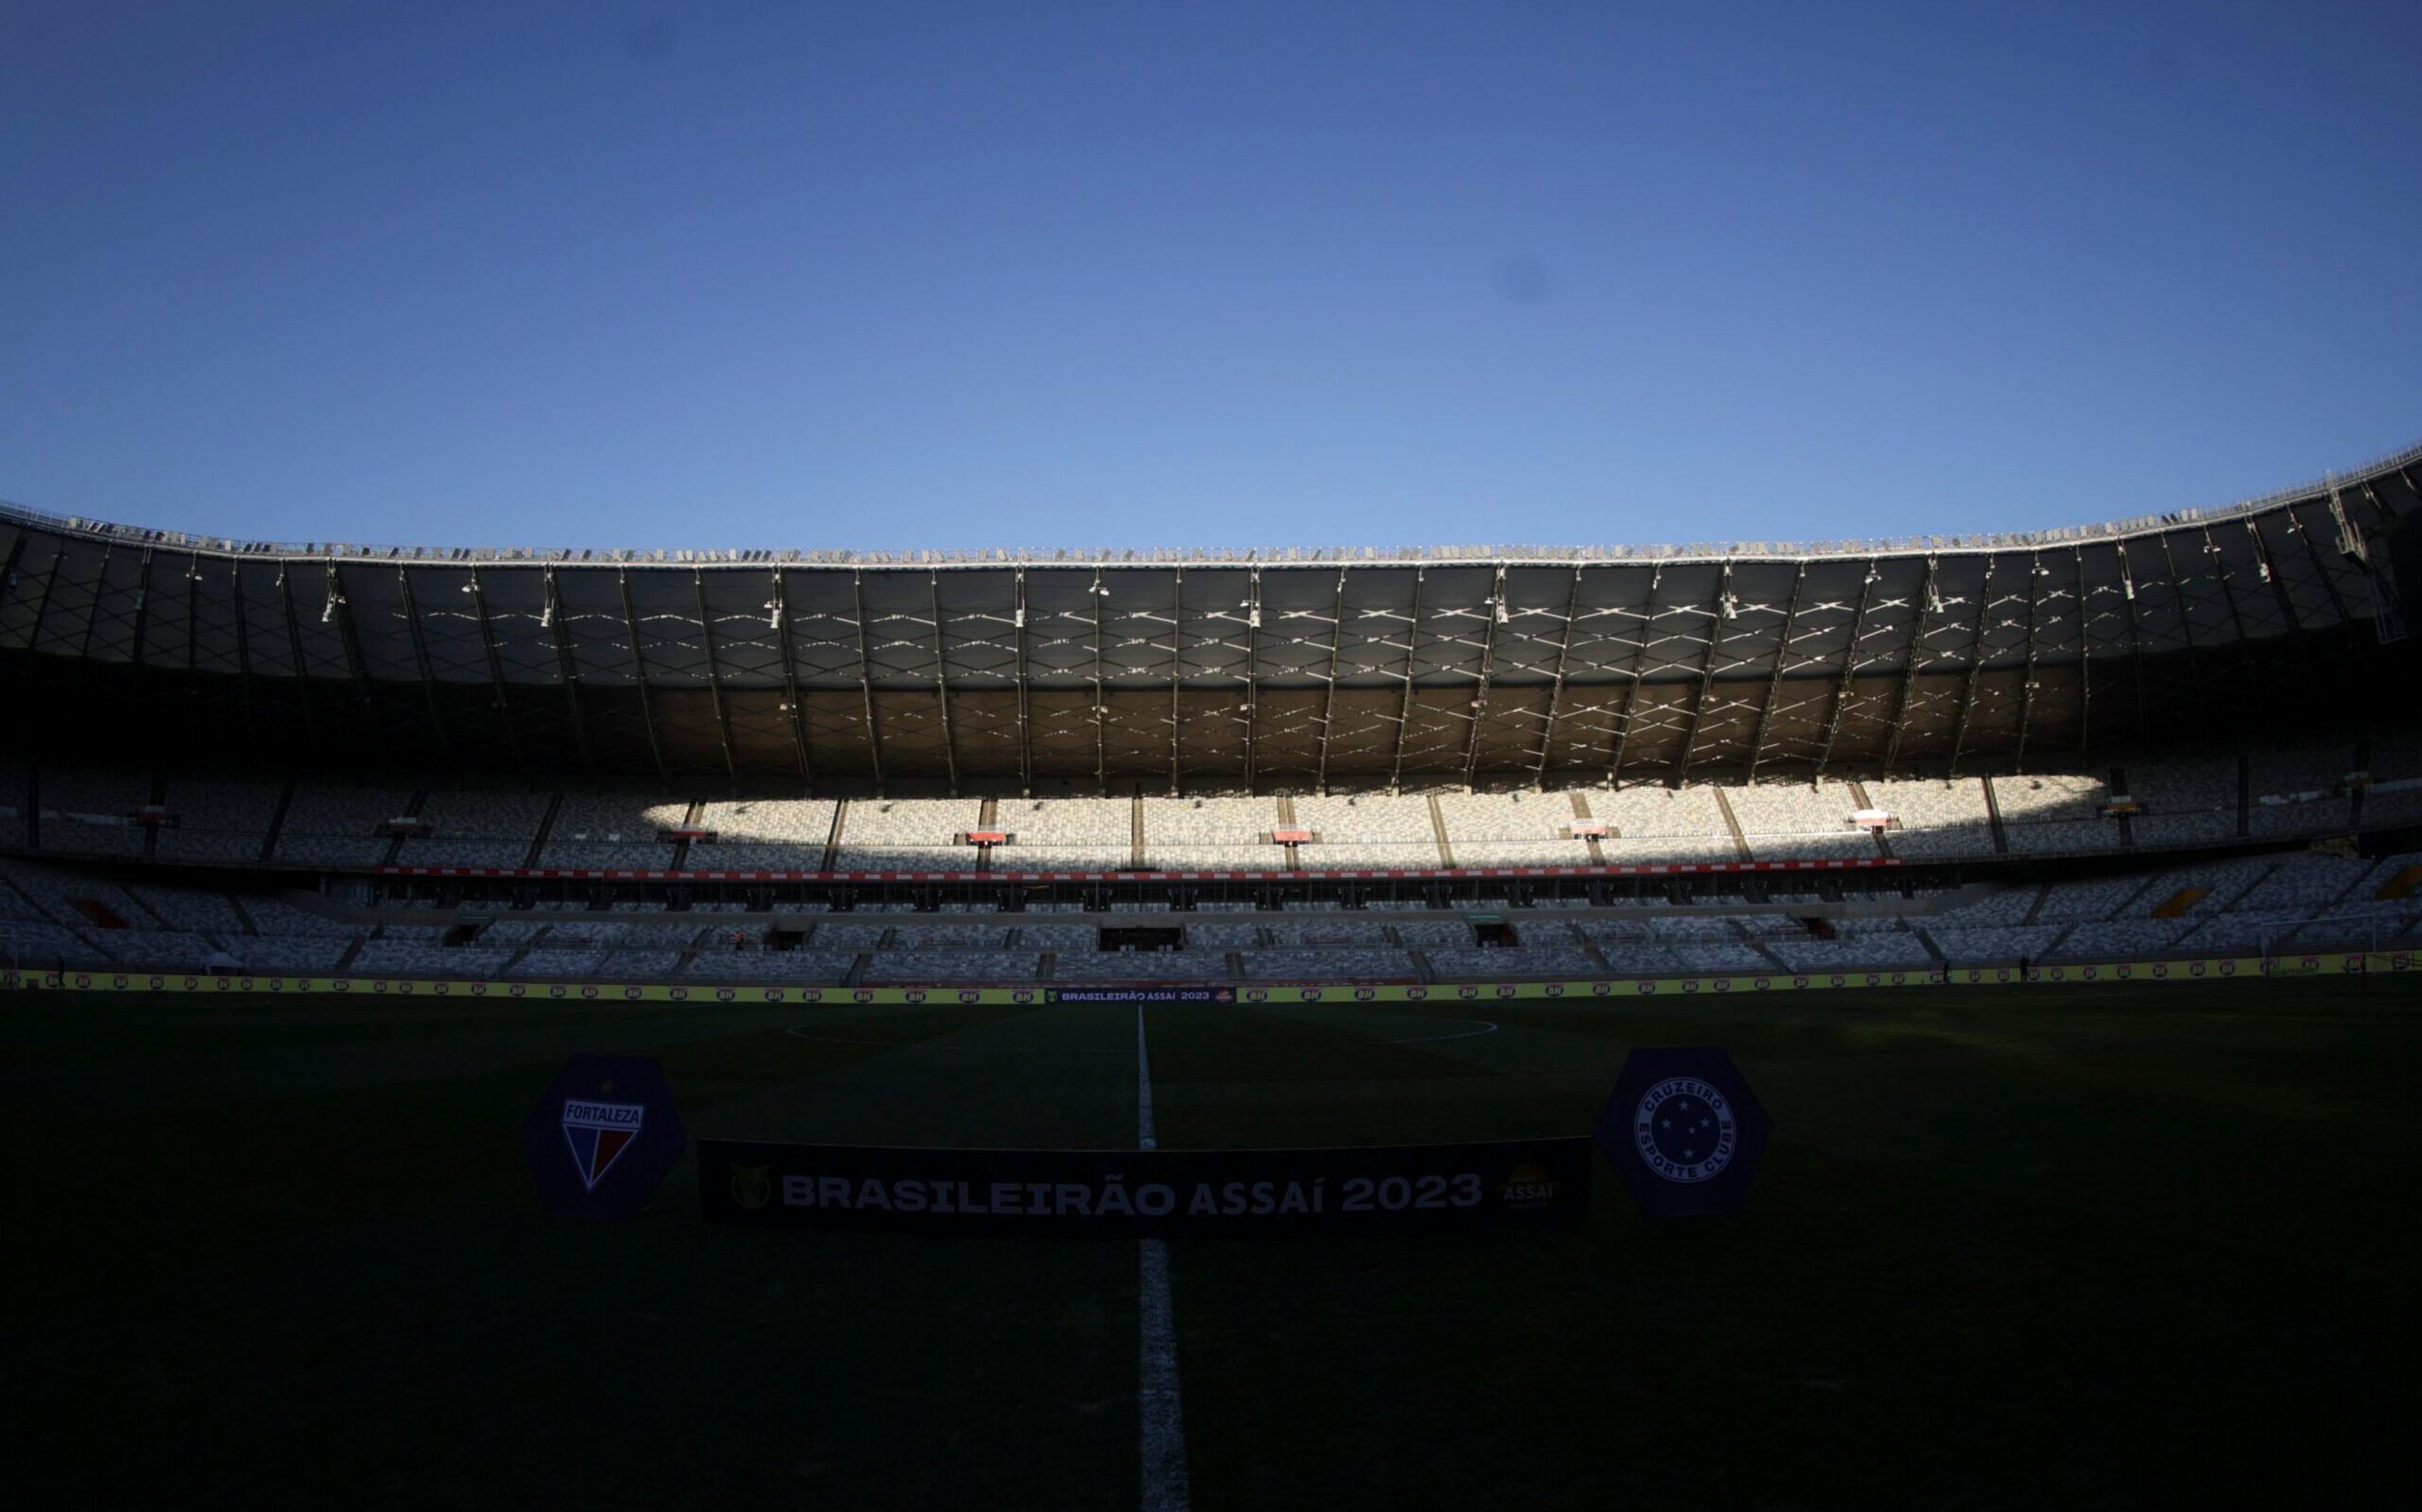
(1130, 1193)
(1139, 994)
(601, 1138)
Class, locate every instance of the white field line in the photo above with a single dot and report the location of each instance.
(1164, 1415)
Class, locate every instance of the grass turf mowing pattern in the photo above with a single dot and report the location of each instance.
(2116, 1246)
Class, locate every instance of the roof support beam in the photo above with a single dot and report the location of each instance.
(2269, 573)
(1025, 714)
(1782, 659)
(340, 611)
(302, 670)
(1253, 669)
(242, 650)
(1497, 615)
(1726, 609)
(640, 673)
(143, 611)
(1328, 700)
(942, 682)
(1960, 716)
(2135, 637)
(2186, 620)
(1850, 666)
(421, 664)
(2084, 653)
(2321, 564)
(1926, 604)
(551, 618)
(51, 580)
(778, 605)
(1638, 669)
(1176, 647)
(866, 678)
(2037, 573)
(2240, 647)
(1556, 689)
(100, 585)
(715, 680)
(1405, 714)
(495, 664)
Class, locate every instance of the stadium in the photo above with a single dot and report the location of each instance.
(2060, 893)
(2177, 738)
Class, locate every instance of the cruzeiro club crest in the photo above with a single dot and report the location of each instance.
(598, 1133)
(1685, 1129)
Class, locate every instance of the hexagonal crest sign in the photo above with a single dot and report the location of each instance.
(600, 1139)
(1683, 1132)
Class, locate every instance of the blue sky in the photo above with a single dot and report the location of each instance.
(1138, 274)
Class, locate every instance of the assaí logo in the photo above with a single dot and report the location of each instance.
(1528, 1186)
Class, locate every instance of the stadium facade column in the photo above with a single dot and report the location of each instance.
(1495, 617)
(715, 678)
(639, 674)
(567, 671)
(1556, 687)
(778, 605)
(2240, 646)
(2085, 649)
(866, 677)
(1405, 718)
(1638, 669)
(942, 679)
(1726, 608)
(495, 656)
(1329, 698)
(1960, 716)
(243, 644)
(92, 610)
(421, 664)
(1924, 606)
(1850, 666)
(1025, 712)
(1782, 659)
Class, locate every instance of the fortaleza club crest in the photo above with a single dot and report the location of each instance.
(600, 1139)
(1683, 1132)
(598, 1133)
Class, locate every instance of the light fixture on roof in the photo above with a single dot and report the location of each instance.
(1501, 618)
(773, 614)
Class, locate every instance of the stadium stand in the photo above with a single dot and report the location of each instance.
(1065, 835)
(908, 835)
(1211, 834)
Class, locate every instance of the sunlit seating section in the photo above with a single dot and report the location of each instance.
(474, 826)
(2052, 812)
(1512, 830)
(1785, 822)
(92, 813)
(908, 835)
(339, 826)
(1210, 834)
(225, 821)
(1367, 831)
(951, 966)
(1318, 966)
(1662, 824)
(1991, 945)
(1486, 963)
(1064, 834)
(1141, 966)
(2186, 799)
(612, 832)
(764, 835)
(1937, 817)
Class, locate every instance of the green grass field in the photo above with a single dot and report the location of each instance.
(2072, 1246)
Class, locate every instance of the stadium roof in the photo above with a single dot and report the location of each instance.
(1204, 671)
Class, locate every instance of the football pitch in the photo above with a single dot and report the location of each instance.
(2109, 1246)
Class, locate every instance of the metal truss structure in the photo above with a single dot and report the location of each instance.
(1171, 672)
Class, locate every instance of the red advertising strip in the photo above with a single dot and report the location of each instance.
(1678, 868)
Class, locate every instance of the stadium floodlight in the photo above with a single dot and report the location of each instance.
(773, 608)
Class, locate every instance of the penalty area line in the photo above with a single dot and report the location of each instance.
(1163, 1415)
